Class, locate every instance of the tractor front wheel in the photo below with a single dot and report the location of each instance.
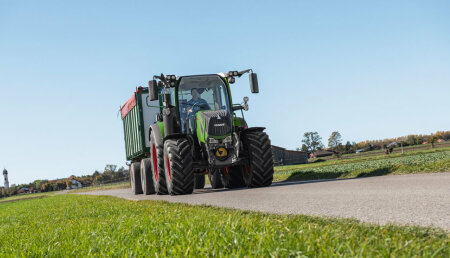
(178, 166)
(259, 171)
(135, 176)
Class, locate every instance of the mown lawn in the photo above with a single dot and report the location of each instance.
(102, 187)
(25, 196)
(421, 161)
(72, 225)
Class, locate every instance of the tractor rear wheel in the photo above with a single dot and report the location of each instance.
(178, 166)
(215, 179)
(146, 177)
(233, 178)
(199, 182)
(259, 171)
(135, 176)
(157, 162)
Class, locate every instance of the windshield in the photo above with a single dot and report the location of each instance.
(196, 93)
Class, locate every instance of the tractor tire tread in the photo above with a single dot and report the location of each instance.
(180, 161)
(261, 160)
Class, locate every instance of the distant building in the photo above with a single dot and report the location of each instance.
(23, 190)
(281, 156)
(76, 184)
(5, 174)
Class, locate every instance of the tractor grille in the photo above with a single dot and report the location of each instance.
(217, 123)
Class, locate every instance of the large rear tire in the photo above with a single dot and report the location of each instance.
(146, 177)
(178, 166)
(233, 177)
(135, 176)
(199, 182)
(259, 172)
(215, 179)
(157, 162)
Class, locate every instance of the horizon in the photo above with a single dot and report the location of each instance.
(369, 71)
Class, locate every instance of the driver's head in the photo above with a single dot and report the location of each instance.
(195, 94)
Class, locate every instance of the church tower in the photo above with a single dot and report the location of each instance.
(5, 174)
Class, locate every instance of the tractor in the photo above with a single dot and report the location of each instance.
(196, 132)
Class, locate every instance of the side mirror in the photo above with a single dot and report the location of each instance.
(153, 90)
(253, 82)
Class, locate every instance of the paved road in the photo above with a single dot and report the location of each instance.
(422, 199)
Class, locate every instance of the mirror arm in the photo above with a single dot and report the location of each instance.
(235, 108)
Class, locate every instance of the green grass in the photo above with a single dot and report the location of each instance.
(405, 149)
(420, 161)
(102, 187)
(25, 196)
(74, 225)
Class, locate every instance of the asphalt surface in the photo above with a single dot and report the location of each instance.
(420, 199)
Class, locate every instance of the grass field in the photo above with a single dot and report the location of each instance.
(73, 225)
(396, 150)
(420, 161)
(102, 187)
(25, 196)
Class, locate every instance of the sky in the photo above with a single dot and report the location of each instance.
(368, 69)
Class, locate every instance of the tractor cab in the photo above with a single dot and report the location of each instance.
(198, 96)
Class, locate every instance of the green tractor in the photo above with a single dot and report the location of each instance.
(196, 132)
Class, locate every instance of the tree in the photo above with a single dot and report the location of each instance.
(110, 168)
(348, 147)
(69, 184)
(335, 140)
(433, 139)
(304, 148)
(312, 141)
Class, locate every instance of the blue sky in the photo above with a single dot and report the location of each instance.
(369, 69)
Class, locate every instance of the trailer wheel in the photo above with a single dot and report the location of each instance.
(199, 182)
(135, 176)
(157, 162)
(178, 166)
(259, 171)
(146, 177)
(215, 179)
(233, 178)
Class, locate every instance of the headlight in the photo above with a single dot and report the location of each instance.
(228, 139)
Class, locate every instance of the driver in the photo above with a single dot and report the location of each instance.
(197, 103)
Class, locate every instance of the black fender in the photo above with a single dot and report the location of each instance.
(154, 128)
(253, 129)
(175, 136)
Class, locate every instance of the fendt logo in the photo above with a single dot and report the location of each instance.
(220, 124)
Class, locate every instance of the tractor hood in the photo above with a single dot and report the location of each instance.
(216, 124)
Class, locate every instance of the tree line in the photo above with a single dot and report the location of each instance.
(110, 174)
(312, 142)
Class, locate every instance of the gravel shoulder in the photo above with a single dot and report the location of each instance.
(414, 199)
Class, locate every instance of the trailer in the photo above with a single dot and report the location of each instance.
(138, 113)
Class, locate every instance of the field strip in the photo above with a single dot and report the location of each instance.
(26, 198)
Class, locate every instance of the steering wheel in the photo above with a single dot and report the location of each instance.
(190, 111)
